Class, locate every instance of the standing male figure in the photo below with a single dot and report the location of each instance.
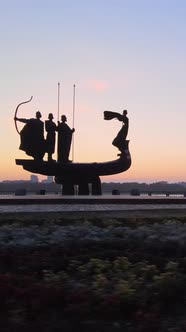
(32, 137)
(64, 140)
(50, 128)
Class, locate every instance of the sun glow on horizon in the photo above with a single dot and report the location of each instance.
(115, 64)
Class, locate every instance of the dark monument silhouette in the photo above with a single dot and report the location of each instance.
(120, 140)
(64, 140)
(86, 176)
(32, 135)
(51, 129)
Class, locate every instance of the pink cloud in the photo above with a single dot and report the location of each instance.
(98, 85)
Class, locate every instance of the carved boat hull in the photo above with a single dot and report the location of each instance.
(81, 174)
(70, 169)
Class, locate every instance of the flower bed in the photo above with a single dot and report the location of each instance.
(92, 274)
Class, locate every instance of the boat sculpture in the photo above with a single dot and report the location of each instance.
(86, 176)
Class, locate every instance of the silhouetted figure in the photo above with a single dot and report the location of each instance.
(50, 128)
(120, 140)
(64, 139)
(32, 137)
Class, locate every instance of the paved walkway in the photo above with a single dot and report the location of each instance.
(99, 200)
(87, 207)
(106, 204)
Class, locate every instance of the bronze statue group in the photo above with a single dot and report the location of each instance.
(34, 143)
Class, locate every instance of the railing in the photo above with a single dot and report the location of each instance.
(166, 193)
(137, 192)
(21, 192)
(28, 192)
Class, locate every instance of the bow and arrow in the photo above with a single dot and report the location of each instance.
(15, 115)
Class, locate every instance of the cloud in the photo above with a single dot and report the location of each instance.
(97, 85)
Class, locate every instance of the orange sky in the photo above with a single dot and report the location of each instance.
(119, 58)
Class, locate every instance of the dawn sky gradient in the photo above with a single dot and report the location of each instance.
(120, 54)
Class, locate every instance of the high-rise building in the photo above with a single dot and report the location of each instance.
(34, 178)
(49, 179)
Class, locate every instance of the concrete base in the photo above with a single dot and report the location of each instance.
(84, 185)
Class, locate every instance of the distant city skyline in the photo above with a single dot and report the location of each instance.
(47, 180)
(120, 54)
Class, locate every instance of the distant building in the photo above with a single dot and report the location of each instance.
(48, 180)
(34, 179)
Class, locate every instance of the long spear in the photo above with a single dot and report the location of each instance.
(73, 121)
(58, 100)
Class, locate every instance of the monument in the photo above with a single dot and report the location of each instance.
(83, 176)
